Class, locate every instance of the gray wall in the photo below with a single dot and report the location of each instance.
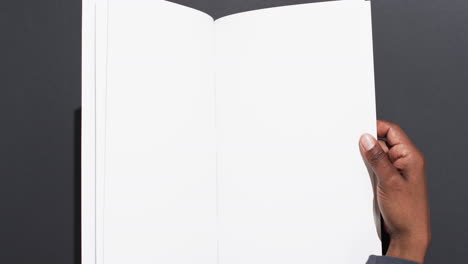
(421, 67)
(40, 86)
(421, 63)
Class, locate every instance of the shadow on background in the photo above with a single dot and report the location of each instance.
(77, 186)
(385, 237)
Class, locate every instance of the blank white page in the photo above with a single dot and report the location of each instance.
(294, 91)
(159, 177)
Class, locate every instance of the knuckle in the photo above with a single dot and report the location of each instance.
(391, 124)
(397, 127)
(417, 158)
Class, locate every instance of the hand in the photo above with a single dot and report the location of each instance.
(401, 190)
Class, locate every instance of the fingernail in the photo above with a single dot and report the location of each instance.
(367, 142)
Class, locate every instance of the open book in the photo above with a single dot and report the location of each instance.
(232, 141)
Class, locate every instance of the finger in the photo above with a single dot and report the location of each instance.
(393, 133)
(377, 159)
(383, 145)
(398, 152)
(406, 159)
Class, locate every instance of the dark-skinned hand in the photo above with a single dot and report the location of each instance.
(401, 190)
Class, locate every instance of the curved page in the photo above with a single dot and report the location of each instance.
(294, 91)
(159, 176)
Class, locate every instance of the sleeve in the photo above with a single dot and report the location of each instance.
(388, 260)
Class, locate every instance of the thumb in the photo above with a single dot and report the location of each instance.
(377, 158)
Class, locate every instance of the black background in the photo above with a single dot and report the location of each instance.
(421, 67)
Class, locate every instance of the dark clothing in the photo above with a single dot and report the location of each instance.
(388, 260)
